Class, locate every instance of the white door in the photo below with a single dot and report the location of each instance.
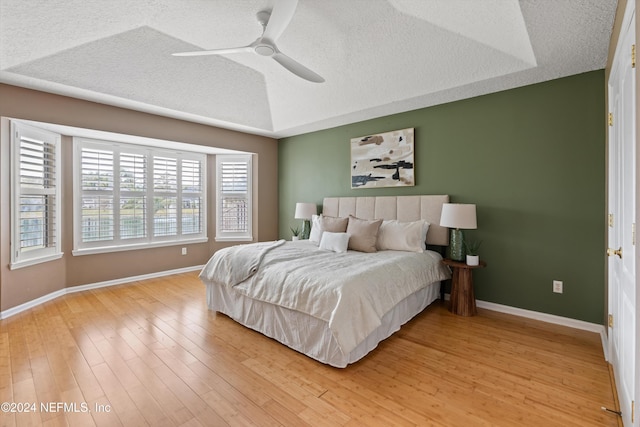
(621, 236)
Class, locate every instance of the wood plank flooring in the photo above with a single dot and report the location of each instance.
(151, 353)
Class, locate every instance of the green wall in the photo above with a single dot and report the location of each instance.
(532, 159)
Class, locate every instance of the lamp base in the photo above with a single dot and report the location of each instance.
(456, 251)
(306, 229)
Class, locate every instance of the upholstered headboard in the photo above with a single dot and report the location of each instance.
(401, 208)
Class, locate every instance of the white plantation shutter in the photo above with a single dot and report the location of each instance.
(192, 196)
(35, 195)
(165, 196)
(132, 195)
(233, 219)
(97, 181)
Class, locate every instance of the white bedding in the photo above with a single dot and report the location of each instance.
(236, 264)
(350, 291)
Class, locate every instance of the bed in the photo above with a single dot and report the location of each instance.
(331, 304)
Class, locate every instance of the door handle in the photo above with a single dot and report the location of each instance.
(612, 252)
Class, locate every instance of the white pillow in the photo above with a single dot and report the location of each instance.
(316, 229)
(403, 236)
(425, 230)
(336, 242)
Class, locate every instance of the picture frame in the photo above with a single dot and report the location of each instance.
(383, 160)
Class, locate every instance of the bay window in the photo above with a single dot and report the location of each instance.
(129, 196)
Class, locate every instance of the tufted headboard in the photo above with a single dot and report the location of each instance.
(401, 208)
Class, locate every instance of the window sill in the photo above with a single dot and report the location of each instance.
(34, 261)
(122, 248)
(234, 239)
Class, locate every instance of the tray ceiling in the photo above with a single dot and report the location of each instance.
(378, 57)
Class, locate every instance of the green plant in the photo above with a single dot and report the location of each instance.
(295, 231)
(471, 246)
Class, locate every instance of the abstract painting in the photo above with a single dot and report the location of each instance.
(383, 160)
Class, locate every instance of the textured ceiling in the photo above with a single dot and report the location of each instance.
(378, 57)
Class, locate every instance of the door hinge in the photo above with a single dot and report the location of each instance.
(610, 119)
(610, 219)
(633, 410)
(633, 234)
(611, 320)
(633, 56)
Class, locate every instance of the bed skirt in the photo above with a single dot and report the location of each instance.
(309, 335)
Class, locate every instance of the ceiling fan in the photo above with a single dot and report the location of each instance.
(274, 22)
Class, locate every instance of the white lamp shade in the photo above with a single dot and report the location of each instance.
(305, 210)
(458, 215)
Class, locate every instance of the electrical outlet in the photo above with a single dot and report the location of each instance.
(184, 252)
(557, 286)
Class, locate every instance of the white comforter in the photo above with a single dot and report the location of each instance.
(351, 291)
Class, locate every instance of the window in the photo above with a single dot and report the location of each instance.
(35, 187)
(128, 196)
(233, 191)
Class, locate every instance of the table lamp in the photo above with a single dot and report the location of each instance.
(458, 216)
(305, 211)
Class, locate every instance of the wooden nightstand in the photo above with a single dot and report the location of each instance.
(463, 301)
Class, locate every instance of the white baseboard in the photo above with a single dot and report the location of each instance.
(53, 295)
(549, 318)
(544, 317)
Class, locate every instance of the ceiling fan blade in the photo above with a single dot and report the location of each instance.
(216, 51)
(281, 15)
(297, 68)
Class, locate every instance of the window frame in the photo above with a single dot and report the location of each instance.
(221, 234)
(20, 258)
(117, 242)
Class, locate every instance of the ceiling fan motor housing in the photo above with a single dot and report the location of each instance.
(263, 17)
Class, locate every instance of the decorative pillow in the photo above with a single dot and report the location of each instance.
(336, 242)
(403, 236)
(334, 224)
(320, 224)
(364, 234)
(316, 229)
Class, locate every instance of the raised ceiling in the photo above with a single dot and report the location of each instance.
(378, 57)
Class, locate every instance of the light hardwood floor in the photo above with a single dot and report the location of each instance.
(150, 353)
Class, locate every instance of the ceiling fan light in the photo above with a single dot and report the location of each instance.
(264, 50)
